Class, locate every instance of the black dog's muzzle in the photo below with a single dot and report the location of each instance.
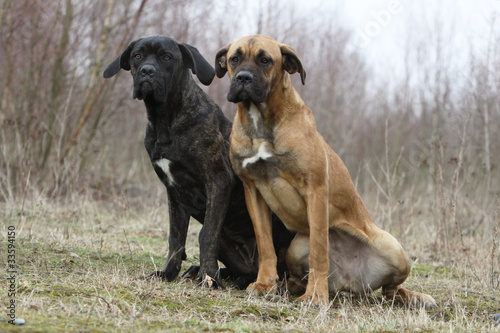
(146, 82)
(147, 70)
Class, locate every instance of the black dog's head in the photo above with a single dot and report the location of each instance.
(158, 64)
(256, 65)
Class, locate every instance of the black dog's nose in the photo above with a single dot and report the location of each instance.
(148, 70)
(244, 77)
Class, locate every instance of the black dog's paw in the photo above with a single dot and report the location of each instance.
(208, 281)
(210, 278)
(191, 273)
(156, 275)
(242, 282)
(163, 275)
(204, 280)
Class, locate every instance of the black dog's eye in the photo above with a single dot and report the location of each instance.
(166, 57)
(137, 56)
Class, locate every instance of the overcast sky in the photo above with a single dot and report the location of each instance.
(383, 28)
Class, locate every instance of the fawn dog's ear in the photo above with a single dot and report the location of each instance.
(291, 62)
(221, 61)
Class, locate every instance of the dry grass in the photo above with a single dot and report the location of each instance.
(82, 267)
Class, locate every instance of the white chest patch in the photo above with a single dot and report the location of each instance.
(254, 114)
(261, 154)
(164, 164)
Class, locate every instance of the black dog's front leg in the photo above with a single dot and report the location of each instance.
(179, 222)
(218, 195)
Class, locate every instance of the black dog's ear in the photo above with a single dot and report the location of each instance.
(291, 62)
(198, 65)
(121, 62)
(221, 61)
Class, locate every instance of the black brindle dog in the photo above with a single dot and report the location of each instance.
(187, 139)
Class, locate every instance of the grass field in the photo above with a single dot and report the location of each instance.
(82, 267)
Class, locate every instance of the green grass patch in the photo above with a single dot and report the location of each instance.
(88, 273)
